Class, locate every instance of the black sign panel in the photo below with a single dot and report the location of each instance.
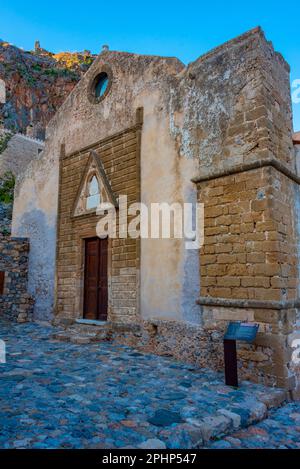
(244, 331)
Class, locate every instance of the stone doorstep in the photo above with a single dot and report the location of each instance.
(91, 322)
(74, 337)
(93, 329)
(84, 332)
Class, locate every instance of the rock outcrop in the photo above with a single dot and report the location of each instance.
(37, 82)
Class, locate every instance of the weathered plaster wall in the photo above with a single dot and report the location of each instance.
(234, 106)
(34, 216)
(297, 153)
(169, 273)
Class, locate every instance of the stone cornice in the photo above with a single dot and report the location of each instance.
(248, 304)
(248, 167)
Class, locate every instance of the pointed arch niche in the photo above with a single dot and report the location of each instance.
(94, 188)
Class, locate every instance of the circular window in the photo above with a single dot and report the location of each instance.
(101, 84)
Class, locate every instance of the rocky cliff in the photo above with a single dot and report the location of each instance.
(37, 82)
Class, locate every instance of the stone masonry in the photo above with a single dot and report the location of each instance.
(120, 158)
(249, 261)
(296, 141)
(15, 303)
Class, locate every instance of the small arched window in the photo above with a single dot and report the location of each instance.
(93, 193)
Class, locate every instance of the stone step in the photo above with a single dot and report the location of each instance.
(83, 334)
(89, 328)
(80, 339)
(74, 338)
(75, 330)
(61, 336)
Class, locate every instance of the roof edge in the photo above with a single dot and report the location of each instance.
(231, 42)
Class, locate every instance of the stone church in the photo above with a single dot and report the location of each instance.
(218, 131)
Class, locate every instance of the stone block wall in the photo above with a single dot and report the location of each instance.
(250, 247)
(15, 303)
(249, 266)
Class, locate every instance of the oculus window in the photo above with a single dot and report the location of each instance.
(101, 84)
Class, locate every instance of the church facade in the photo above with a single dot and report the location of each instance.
(217, 132)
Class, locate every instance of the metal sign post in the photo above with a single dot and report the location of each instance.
(230, 360)
(236, 330)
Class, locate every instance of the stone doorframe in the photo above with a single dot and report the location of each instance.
(81, 236)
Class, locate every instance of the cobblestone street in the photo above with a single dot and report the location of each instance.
(61, 395)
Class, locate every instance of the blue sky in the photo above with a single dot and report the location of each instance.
(185, 29)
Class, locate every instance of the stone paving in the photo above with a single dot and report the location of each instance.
(101, 395)
(281, 430)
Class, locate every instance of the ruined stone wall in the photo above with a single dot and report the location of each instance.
(5, 218)
(15, 303)
(120, 156)
(19, 152)
(202, 344)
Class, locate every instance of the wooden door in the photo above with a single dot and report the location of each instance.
(95, 279)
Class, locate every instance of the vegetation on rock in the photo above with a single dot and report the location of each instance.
(7, 184)
(4, 139)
